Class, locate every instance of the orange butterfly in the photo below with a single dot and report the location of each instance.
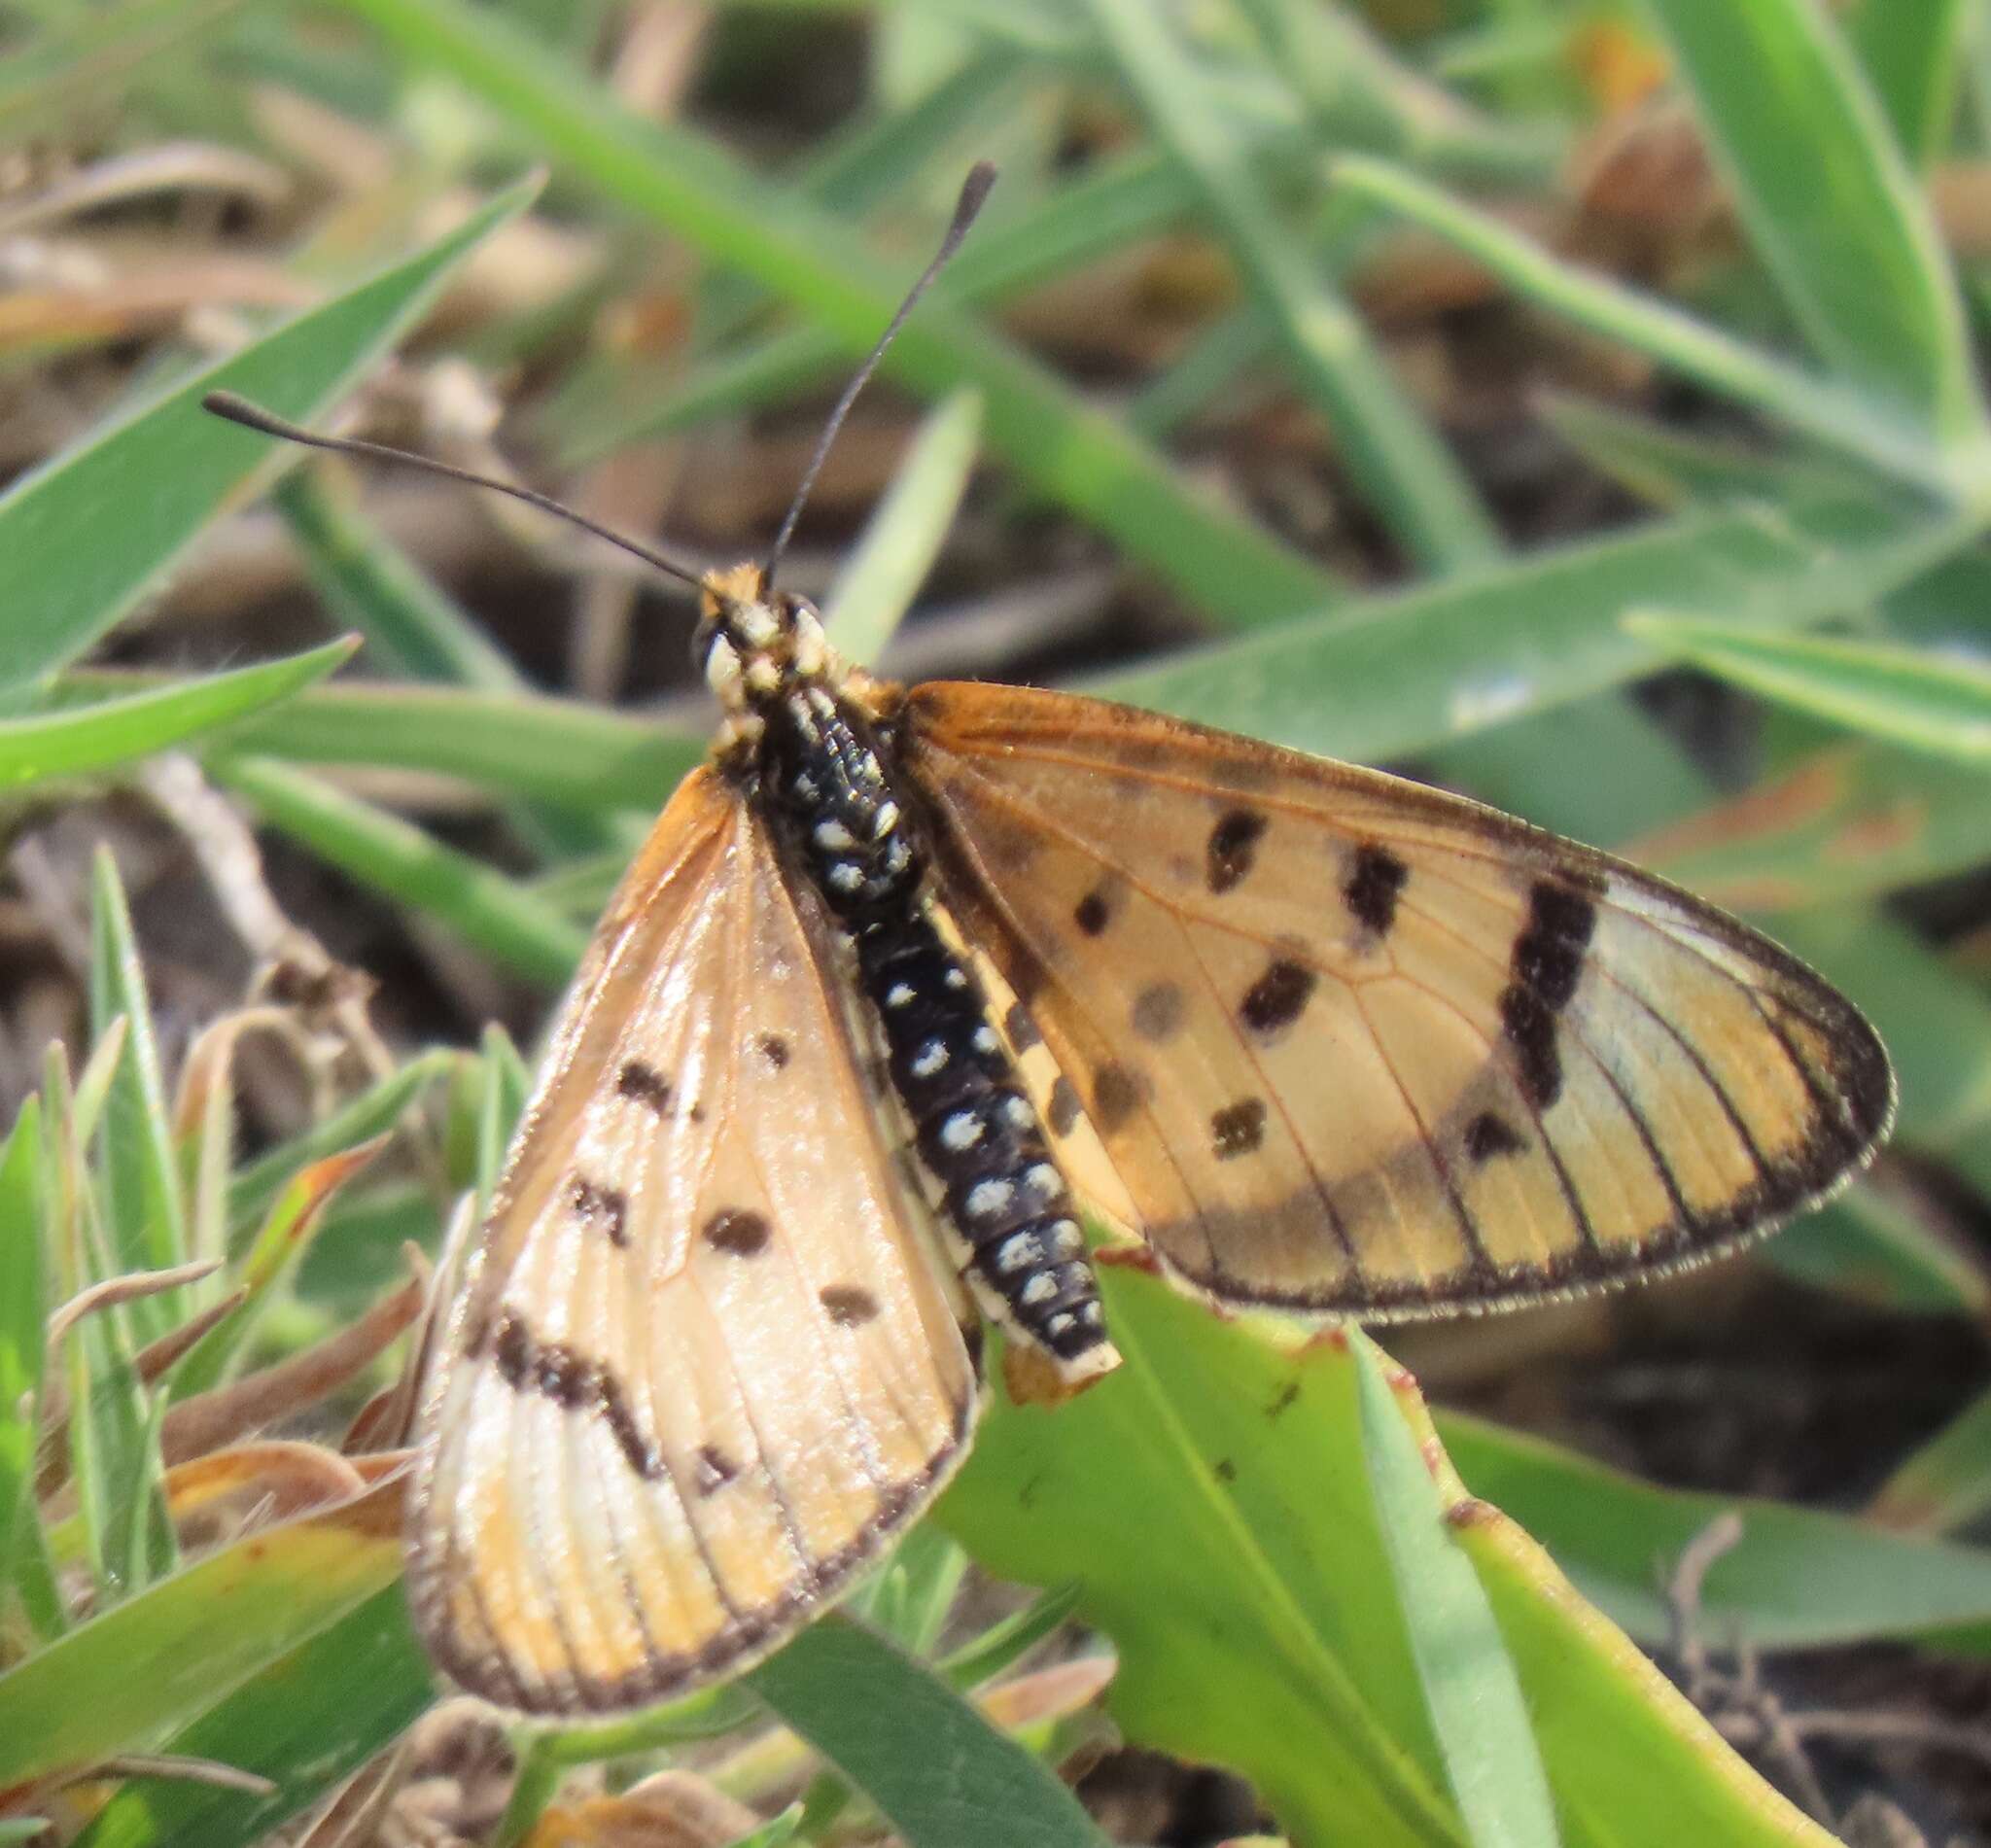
(1325, 1040)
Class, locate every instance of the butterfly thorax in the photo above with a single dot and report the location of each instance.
(802, 737)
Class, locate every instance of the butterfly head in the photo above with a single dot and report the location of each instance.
(757, 644)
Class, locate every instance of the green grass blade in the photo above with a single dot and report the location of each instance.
(1845, 230)
(494, 913)
(23, 1306)
(1945, 1484)
(1404, 672)
(1799, 1579)
(85, 536)
(940, 1772)
(1823, 408)
(143, 1191)
(1079, 456)
(1476, 1707)
(1394, 457)
(198, 1634)
(1912, 56)
(1909, 696)
(72, 741)
(882, 573)
(306, 1722)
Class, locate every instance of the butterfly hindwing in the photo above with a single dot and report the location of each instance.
(1356, 1045)
(700, 1366)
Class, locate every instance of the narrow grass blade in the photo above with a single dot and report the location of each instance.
(199, 1634)
(1476, 1707)
(23, 1305)
(490, 911)
(1912, 57)
(885, 569)
(1927, 702)
(144, 1195)
(942, 1775)
(1830, 411)
(1945, 1484)
(1847, 233)
(73, 740)
(305, 1722)
(1395, 458)
(1075, 454)
(1799, 1577)
(85, 535)
(1406, 671)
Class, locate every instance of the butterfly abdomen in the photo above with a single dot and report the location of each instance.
(977, 1132)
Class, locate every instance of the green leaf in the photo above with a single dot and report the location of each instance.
(23, 1306)
(882, 573)
(1391, 452)
(1946, 1482)
(941, 1774)
(1399, 673)
(1911, 696)
(86, 535)
(688, 183)
(492, 912)
(1210, 1501)
(199, 1635)
(1799, 1579)
(1475, 1699)
(1911, 55)
(142, 1192)
(1825, 409)
(73, 740)
(306, 1722)
(1845, 230)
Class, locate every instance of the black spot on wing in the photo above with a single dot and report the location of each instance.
(1489, 1134)
(1545, 968)
(602, 1207)
(1372, 886)
(715, 1470)
(1091, 913)
(576, 1382)
(774, 1049)
(1237, 1128)
(643, 1084)
(738, 1231)
(1019, 1028)
(1064, 1108)
(1232, 848)
(1159, 1010)
(1117, 1093)
(1277, 999)
(848, 1304)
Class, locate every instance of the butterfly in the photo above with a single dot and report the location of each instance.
(905, 986)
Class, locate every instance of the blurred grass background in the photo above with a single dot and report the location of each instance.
(1575, 404)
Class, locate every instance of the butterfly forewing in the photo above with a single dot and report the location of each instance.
(1357, 1045)
(701, 1364)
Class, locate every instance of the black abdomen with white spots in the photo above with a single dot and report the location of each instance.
(978, 1133)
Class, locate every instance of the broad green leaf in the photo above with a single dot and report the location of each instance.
(1799, 1577)
(1878, 1249)
(74, 741)
(1392, 454)
(1210, 1501)
(199, 1635)
(1477, 1708)
(1911, 55)
(306, 1722)
(88, 533)
(941, 1774)
(1911, 696)
(1844, 229)
(667, 172)
(878, 581)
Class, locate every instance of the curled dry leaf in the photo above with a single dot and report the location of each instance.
(674, 1809)
(1048, 1694)
(213, 1497)
(129, 1288)
(210, 1420)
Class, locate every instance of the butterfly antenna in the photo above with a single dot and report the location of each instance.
(239, 410)
(974, 190)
